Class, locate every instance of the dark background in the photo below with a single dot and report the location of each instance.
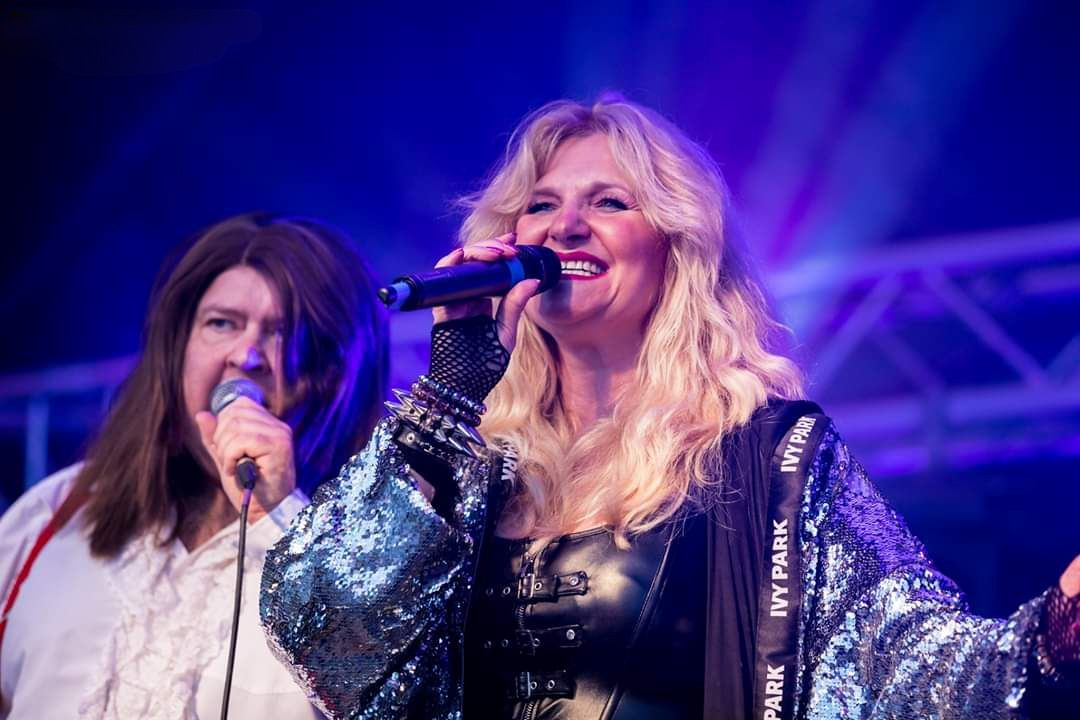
(847, 129)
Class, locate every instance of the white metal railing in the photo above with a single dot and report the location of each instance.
(35, 393)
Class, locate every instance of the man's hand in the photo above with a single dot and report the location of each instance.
(245, 428)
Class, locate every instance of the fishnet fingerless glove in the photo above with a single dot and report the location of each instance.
(467, 356)
(438, 419)
(1062, 627)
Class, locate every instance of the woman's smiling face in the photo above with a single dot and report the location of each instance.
(584, 208)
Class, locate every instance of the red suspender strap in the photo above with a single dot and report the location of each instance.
(75, 500)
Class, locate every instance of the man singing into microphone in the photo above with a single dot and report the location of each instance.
(117, 574)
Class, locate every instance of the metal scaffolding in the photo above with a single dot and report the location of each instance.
(950, 352)
(947, 352)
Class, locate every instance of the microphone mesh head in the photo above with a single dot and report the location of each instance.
(541, 263)
(229, 390)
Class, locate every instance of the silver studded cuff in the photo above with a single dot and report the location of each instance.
(437, 429)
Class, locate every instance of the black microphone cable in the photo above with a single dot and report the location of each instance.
(245, 468)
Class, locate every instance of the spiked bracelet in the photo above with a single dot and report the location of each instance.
(430, 389)
(438, 429)
(439, 417)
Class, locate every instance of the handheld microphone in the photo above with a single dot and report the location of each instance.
(246, 470)
(470, 280)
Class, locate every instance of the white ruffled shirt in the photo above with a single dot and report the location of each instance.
(143, 635)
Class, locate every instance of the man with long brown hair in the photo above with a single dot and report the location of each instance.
(117, 574)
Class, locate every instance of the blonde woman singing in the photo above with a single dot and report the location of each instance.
(653, 525)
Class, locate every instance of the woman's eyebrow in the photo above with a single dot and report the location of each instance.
(595, 187)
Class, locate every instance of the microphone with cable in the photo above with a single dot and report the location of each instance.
(221, 397)
(247, 472)
(472, 280)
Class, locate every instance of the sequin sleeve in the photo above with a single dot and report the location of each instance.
(885, 635)
(365, 596)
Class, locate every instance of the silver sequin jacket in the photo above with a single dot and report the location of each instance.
(366, 597)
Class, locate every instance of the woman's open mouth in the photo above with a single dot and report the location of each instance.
(579, 265)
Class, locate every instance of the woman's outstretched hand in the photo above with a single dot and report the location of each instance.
(1061, 621)
(1070, 579)
(512, 305)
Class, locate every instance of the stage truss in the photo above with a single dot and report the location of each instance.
(939, 354)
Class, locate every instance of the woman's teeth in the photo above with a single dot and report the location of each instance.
(583, 268)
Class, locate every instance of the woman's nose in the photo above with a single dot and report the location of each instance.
(568, 226)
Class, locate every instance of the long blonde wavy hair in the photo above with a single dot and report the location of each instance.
(705, 364)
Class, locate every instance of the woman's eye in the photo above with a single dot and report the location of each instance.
(612, 203)
(537, 207)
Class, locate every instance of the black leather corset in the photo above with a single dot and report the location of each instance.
(585, 630)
